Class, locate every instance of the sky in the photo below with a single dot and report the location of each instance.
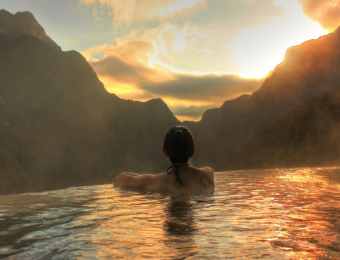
(194, 54)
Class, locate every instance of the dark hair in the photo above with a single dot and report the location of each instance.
(179, 143)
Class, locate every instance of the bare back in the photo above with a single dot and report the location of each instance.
(195, 180)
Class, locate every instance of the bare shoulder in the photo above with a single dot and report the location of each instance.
(145, 181)
(207, 170)
(208, 174)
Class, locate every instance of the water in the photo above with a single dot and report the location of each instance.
(257, 214)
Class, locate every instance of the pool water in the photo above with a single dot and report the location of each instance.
(255, 214)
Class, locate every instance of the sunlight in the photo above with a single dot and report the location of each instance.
(186, 103)
(123, 90)
(188, 118)
(260, 49)
(153, 61)
(174, 104)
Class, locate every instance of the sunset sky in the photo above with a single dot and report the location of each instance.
(194, 54)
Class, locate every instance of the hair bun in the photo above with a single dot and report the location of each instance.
(179, 132)
(179, 135)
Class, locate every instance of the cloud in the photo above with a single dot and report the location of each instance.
(241, 14)
(121, 71)
(131, 63)
(95, 15)
(127, 70)
(325, 12)
(236, 15)
(214, 88)
(186, 51)
(245, 37)
(182, 4)
(126, 63)
(187, 47)
(191, 113)
(258, 50)
(189, 35)
(130, 12)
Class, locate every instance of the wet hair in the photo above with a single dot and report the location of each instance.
(179, 143)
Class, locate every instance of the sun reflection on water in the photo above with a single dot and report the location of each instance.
(270, 214)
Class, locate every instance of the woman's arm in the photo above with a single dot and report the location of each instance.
(134, 181)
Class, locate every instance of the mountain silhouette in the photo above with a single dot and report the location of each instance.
(14, 25)
(306, 136)
(59, 127)
(306, 71)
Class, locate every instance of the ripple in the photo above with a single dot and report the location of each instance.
(272, 214)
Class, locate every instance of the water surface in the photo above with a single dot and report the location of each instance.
(256, 214)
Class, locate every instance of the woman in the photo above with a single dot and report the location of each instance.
(179, 147)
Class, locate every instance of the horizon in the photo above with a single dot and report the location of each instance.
(188, 53)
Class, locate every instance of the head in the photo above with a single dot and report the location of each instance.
(179, 144)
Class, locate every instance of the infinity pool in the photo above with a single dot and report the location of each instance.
(256, 214)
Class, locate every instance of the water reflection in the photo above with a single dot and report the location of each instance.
(180, 218)
(309, 213)
(179, 227)
(271, 214)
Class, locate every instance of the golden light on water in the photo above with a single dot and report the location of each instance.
(279, 214)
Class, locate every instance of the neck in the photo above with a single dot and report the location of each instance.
(179, 164)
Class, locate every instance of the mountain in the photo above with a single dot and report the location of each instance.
(308, 135)
(306, 71)
(59, 127)
(14, 25)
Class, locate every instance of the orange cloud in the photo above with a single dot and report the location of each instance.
(213, 88)
(187, 48)
(325, 12)
(189, 35)
(128, 71)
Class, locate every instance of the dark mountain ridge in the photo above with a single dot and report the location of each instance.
(306, 71)
(14, 25)
(59, 127)
(306, 136)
